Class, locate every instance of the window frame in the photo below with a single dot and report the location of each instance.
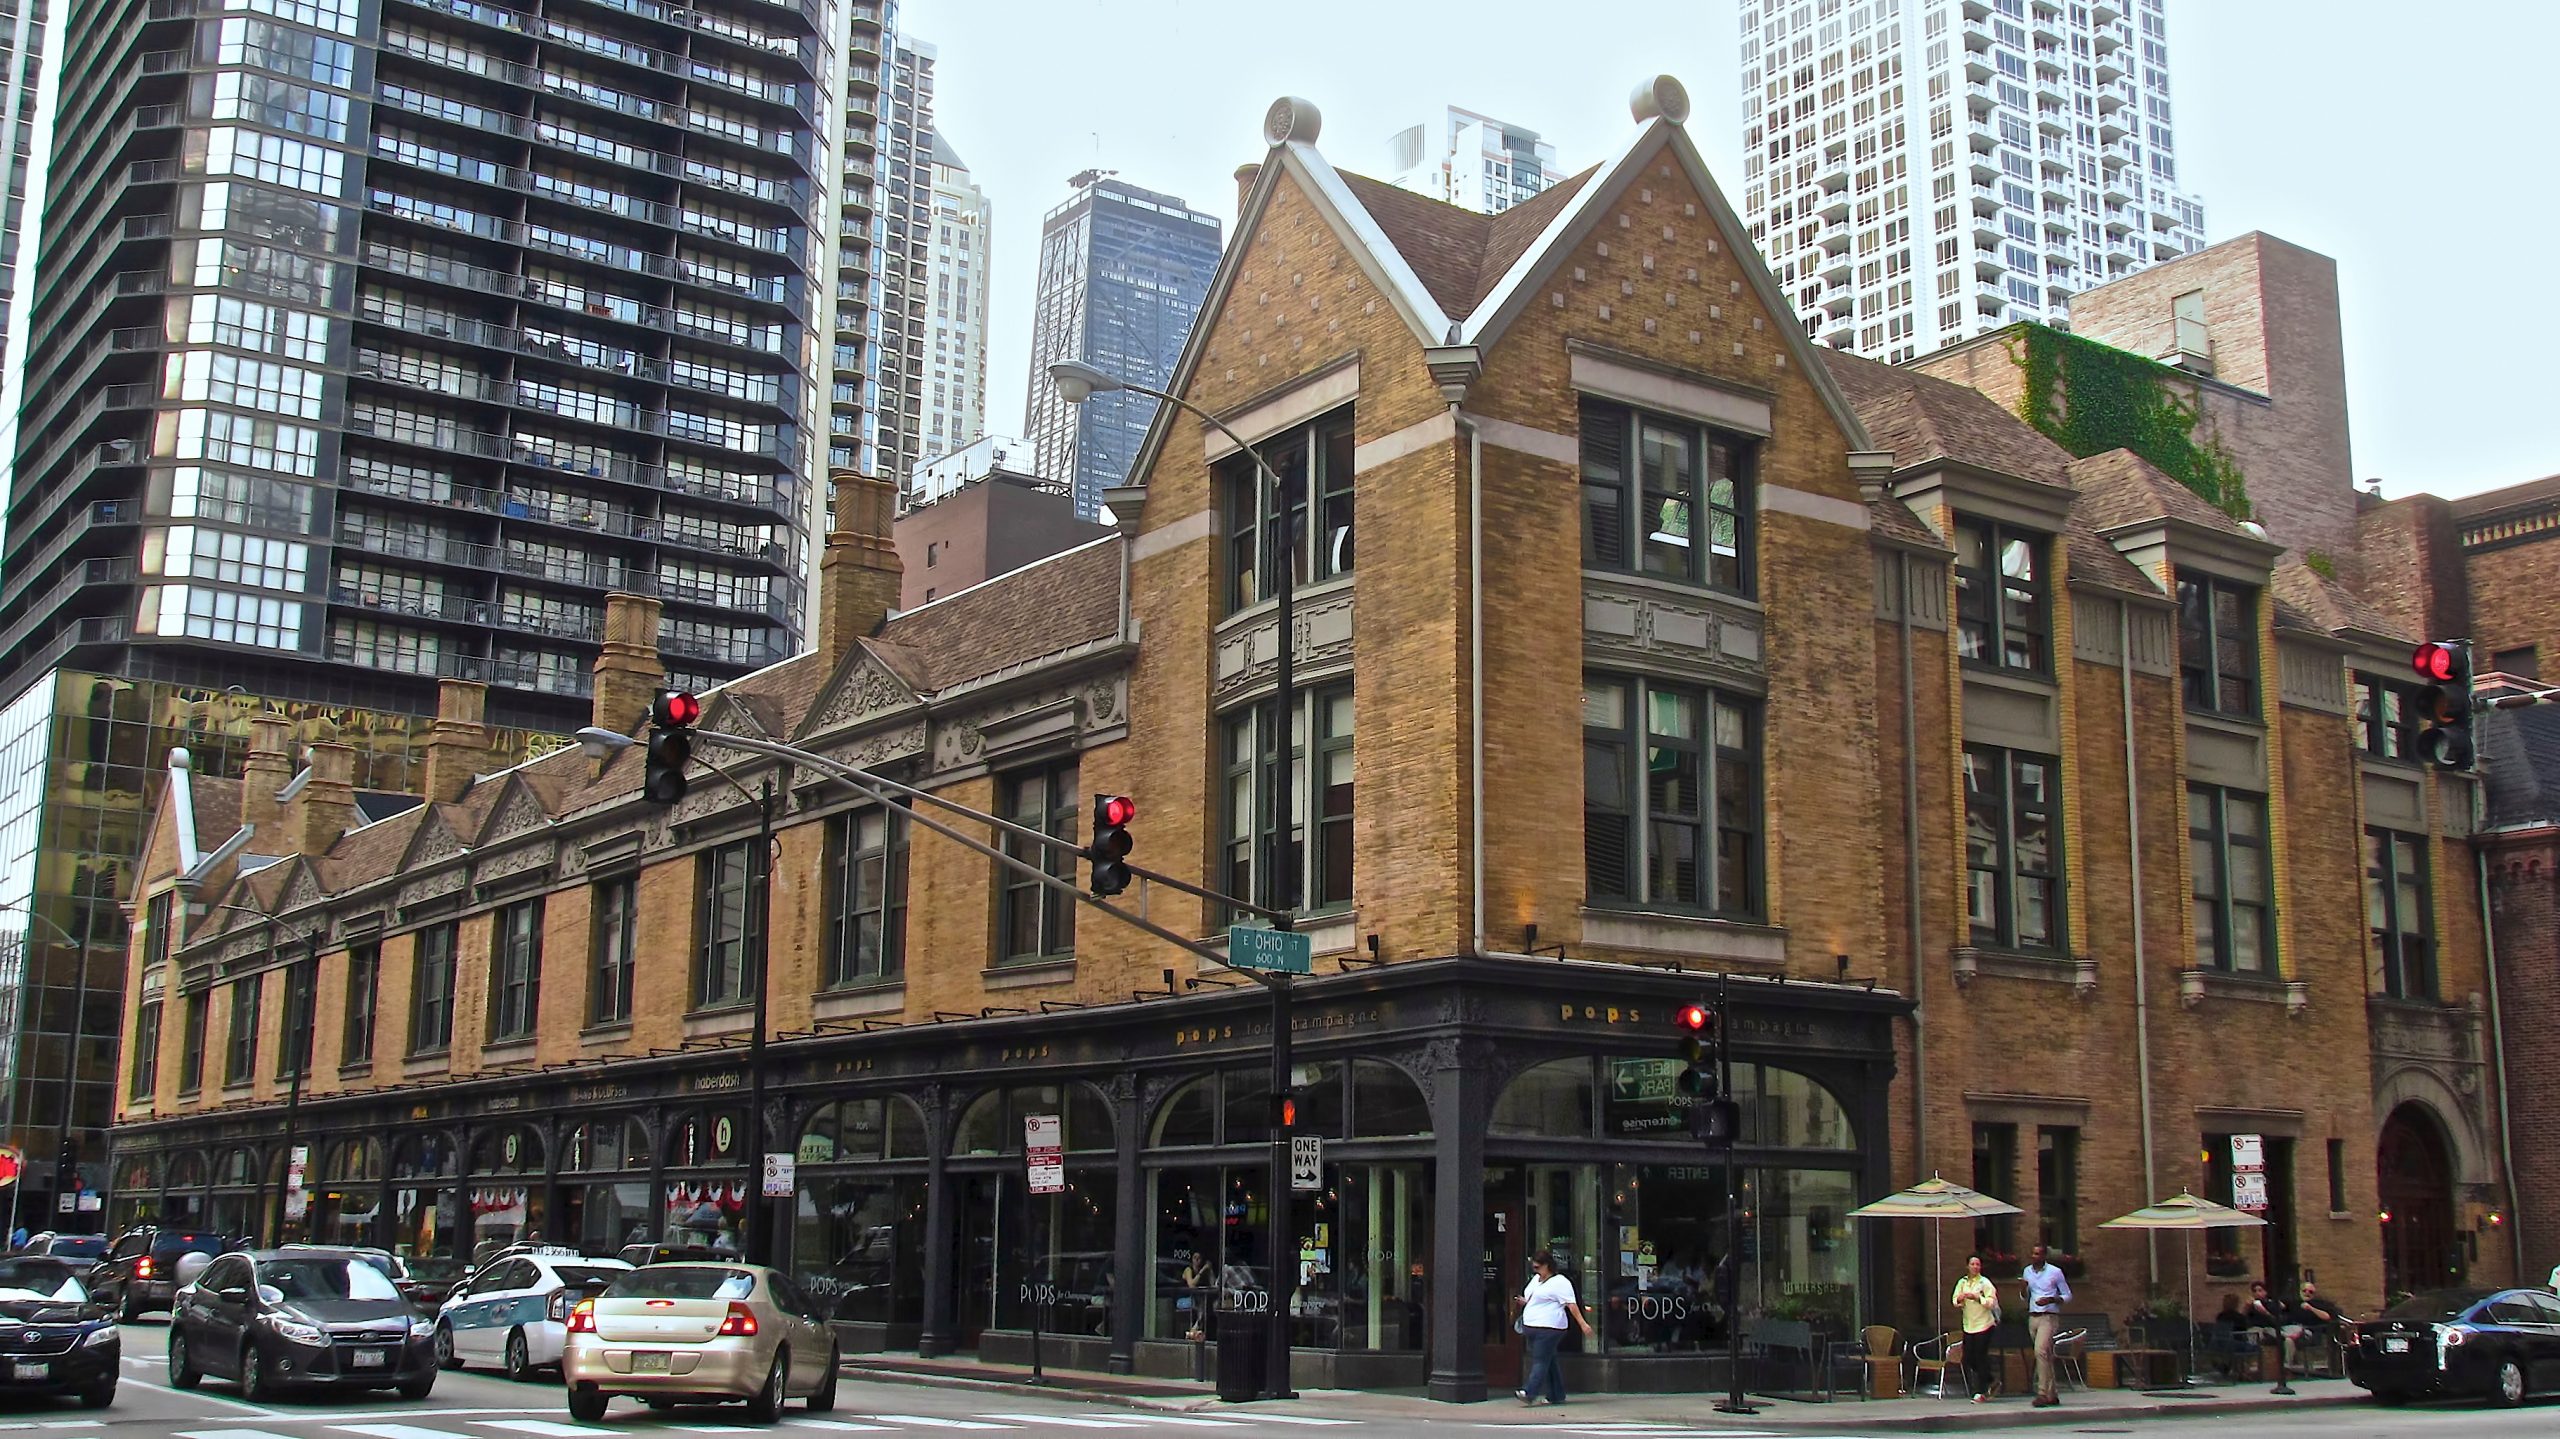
(2386, 733)
(1633, 737)
(1612, 469)
(514, 1000)
(194, 1022)
(2213, 844)
(363, 1004)
(1054, 925)
(2003, 870)
(432, 958)
(848, 899)
(298, 1032)
(2058, 1187)
(240, 1043)
(2200, 646)
(1987, 587)
(142, 1076)
(723, 962)
(1315, 459)
(1250, 849)
(1997, 1142)
(2400, 975)
(613, 944)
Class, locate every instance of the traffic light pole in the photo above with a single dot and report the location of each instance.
(759, 1241)
(1280, 875)
(298, 1049)
(1732, 1402)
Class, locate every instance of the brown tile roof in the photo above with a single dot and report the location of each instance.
(1458, 254)
(2123, 488)
(217, 804)
(2092, 561)
(1922, 418)
(1038, 610)
(2530, 492)
(1893, 520)
(2327, 605)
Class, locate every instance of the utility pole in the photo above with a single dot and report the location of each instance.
(759, 1238)
(1280, 875)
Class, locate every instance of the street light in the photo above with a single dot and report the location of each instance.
(1078, 382)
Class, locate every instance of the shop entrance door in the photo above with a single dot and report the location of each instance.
(1506, 1270)
(980, 1259)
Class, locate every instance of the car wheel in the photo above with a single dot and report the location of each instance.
(418, 1388)
(183, 1373)
(823, 1400)
(127, 1311)
(586, 1403)
(660, 1405)
(2510, 1391)
(445, 1357)
(519, 1358)
(766, 1405)
(253, 1373)
(99, 1396)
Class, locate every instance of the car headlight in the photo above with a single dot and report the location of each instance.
(295, 1330)
(421, 1327)
(99, 1337)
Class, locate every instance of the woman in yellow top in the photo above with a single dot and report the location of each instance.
(1979, 1299)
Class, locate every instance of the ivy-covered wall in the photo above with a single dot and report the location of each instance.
(2091, 398)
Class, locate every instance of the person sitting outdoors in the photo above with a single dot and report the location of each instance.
(2318, 1321)
(2265, 1321)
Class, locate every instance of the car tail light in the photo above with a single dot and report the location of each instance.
(559, 1305)
(741, 1321)
(582, 1320)
(2455, 1336)
(142, 1267)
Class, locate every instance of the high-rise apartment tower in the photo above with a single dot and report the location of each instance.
(1122, 274)
(955, 407)
(1472, 161)
(1919, 171)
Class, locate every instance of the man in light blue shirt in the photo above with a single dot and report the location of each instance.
(2047, 1292)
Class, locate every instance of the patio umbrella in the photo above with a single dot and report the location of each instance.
(2187, 1213)
(1937, 1200)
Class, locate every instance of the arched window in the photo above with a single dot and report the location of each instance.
(1782, 1109)
(849, 1129)
(187, 1170)
(606, 1144)
(138, 1174)
(352, 1161)
(239, 1166)
(514, 1149)
(1189, 1115)
(992, 1124)
(707, 1137)
(424, 1156)
(1386, 1103)
(1553, 1100)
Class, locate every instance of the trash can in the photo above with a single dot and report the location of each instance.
(1243, 1355)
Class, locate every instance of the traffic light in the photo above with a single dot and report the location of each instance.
(1698, 1034)
(1110, 846)
(2444, 706)
(1284, 1112)
(672, 716)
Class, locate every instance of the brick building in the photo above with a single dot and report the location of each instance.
(1897, 719)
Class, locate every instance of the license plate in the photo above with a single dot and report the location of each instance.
(370, 1359)
(2395, 1346)
(29, 1371)
(650, 1363)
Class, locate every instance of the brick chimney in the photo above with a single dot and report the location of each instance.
(1245, 176)
(860, 575)
(268, 769)
(326, 808)
(458, 746)
(629, 672)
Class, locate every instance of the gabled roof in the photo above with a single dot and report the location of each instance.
(2125, 489)
(1457, 253)
(2326, 605)
(2517, 496)
(1057, 604)
(1922, 418)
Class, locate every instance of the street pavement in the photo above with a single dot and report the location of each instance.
(475, 1405)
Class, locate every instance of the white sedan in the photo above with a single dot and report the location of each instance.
(515, 1311)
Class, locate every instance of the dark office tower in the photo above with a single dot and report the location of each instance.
(373, 342)
(1122, 275)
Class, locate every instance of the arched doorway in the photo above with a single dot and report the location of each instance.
(2414, 1165)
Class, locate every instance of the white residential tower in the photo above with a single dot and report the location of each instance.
(955, 406)
(1472, 161)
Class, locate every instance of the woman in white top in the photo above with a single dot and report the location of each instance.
(1544, 1308)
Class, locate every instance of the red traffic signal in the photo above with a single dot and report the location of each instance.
(1108, 850)
(2435, 661)
(1284, 1111)
(1118, 809)
(1695, 1018)
(679, 709)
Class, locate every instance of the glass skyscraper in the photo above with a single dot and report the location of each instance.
(1123, 272)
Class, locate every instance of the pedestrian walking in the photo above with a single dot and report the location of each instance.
(1978, 1299)
(2047, 1291)
(1541, 1312)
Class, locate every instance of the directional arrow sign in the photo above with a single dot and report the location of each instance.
(1279, 950)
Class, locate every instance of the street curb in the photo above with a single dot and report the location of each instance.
(1144, 1402)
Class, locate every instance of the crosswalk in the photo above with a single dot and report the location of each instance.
(637, 1424)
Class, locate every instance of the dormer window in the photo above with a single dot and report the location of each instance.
(2218, 645)
(2004, 617)
(1665, 498)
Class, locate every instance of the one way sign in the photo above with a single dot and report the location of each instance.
(1306, 1163)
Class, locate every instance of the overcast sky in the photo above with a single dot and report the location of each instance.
(2426, 177)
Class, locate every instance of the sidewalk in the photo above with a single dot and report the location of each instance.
(1902, 1416)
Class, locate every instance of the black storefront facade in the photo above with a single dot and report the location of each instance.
(1473, 1112)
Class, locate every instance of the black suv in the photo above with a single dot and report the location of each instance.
(141, 1271)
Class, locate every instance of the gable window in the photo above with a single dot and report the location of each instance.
(616, 908)
(515, 970)
(2003, 619)
(1254, 838)
(191, 1045)
(2385, 717)
(722, 973)
(2395, 904)
(1666, 498)
(1313, 459)
(240, 1060)
(1671, 796)
(2218, 645)
(364, 981)
(145, 1080)
(866, 896)
(2013, 868)
(159, 928)
(1034, 921)
(431, 990)
(2234, 903)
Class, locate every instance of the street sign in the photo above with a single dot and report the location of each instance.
(2248, 1151)
(2249, 1191)
(65, 1203)
(1306, 1163)
(2249, 1173)
(781, 1175)
(1281, 951)
(1043, 1154)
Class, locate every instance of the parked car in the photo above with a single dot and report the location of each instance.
(273, 1319)
(516, 1311)
(636, 1255)
(145, 1266)
(700, 1334)
(393, 1267)
(87, 1248)
(55, 1339)
(2499, 1344)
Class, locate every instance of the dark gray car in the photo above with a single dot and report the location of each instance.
(273, 1320)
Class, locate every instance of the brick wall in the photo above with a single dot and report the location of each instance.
(2524, 905)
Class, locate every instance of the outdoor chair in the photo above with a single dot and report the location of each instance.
(2069, 1360)
(1935, 1355)
(1882, 1353)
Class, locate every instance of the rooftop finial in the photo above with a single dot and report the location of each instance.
(1660, 96)
(1291, 118)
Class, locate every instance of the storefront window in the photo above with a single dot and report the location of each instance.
(606, 1144)
(1550, 1100)
(1360, 1257)
(1385, 1102)
(1055, 1251)
(184, 1201)
(1206, 1239)
(992, 1124)
(858, 1246)
(501, 1213)
(851, 1129)
(426, 1228)
(609, 1216)
(350, 1192)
